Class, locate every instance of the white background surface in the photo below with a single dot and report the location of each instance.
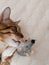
(34, 16)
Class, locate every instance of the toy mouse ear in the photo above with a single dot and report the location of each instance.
(6, 13)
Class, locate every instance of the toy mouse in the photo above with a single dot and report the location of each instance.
(24, 48)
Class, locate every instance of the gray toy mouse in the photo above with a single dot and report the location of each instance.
(24, 48)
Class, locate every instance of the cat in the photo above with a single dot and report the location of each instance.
(9, 28)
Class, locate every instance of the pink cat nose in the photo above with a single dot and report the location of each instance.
(21, 39)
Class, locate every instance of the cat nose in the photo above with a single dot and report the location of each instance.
(32, 41)
(21, 39)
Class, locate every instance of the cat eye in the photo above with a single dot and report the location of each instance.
(14, 28)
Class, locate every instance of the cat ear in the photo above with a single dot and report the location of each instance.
(17, 22)
(6, 13)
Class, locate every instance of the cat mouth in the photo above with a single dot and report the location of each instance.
(16, 41)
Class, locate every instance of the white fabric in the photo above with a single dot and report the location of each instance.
(34, 16)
